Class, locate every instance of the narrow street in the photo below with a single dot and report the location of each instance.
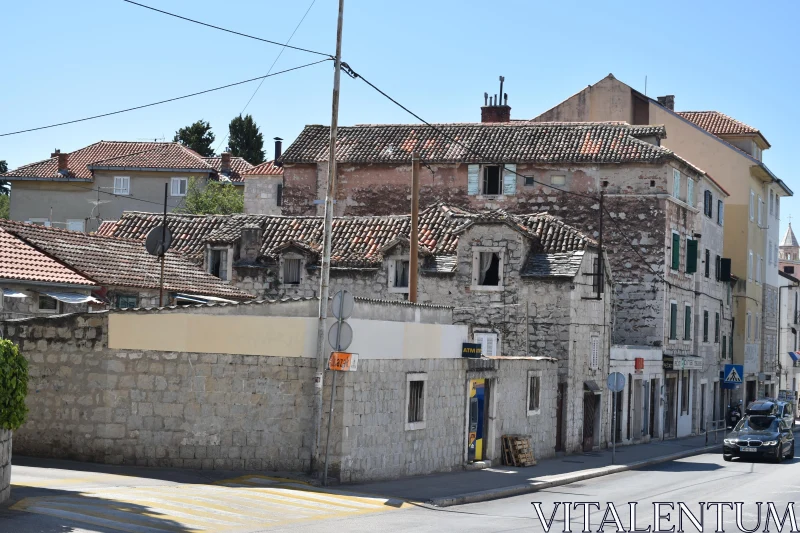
(51, 499)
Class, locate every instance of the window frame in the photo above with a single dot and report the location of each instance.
(485, 180)
(707, 266)
(476, 261)
(39, 309)
(555, 178)
(39, 221)
(127, 189)
(720, 212)
(291, 256)
(690, 191)
(673, 322)
(476, 338)
(534, 375)
(594, 352)
(676, 183)
(392, 272)
(717, 325)
(135, 298)
(178, 180)
(687, 322)
(228, 261)
(413, 377)
(686, 386)
(752, 205)
(705, 325)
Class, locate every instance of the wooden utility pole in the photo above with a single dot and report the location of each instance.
(413, 258)
(326, 247)
(163, 247)
(600, 275)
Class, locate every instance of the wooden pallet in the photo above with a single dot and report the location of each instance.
(517, 451)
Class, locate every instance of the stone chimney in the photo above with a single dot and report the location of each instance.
(667, 101)
(250, 243)
(495, 110)
(278, 148)
(63, 160)
(226, 163)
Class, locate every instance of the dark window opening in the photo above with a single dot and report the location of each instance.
(788, 269)
(416, 412)
(605, 183)
(491, 180)
(717, 267)
(708, 263)
(685, 393)
(705, 326)
(529, 181)
(218, 264)
(401, 273)
(598, 282)
(126, 301)
(652, 183)
(490, 269)
(533, 393)
(291, 271)
(47, 303)
(279, 195)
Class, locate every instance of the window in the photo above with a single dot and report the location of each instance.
(39, 221)
(594, 356)
(178, 186)
(676, 183)
(708, 263)
(708, 204)
(788, 269)
(415, 401)
(771, 202)
(705, 326)
(401, 272)
(750, 265)
(690, 191)
(488, 342)
(723, 352)
(716, 327)
(122, 185)
(534, 391)
(691, 256)
(491, 180)
(75, 224)
(291, 271)
(717, 267)
(530, 181)
(218, 263)
(676, 251)
(47, 304)
(749, 329)
(279, 195)
(687, 323)
(558, 180)
(487, 268)
(685, 380)
(127, 301)
(757, 332)
(777, 206)
(720, 212)
(752, 206)
(673, 321)
(769, 252)
(758, 265)
(598, 280)
(760, 211)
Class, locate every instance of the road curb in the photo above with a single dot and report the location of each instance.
(516, 490)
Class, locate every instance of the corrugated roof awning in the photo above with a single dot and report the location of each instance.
(72, 297)
(199, 299)
(10, 293)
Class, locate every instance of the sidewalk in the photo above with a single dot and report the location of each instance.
(456, 488)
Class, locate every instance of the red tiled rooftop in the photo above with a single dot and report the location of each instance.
(21, 261)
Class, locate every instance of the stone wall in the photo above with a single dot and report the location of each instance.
(5, 464)
(261, 195)
(28, 307)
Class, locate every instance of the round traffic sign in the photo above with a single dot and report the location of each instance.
(616, 382)
(342, 305)
(345, 333)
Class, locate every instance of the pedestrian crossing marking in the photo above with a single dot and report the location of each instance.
(733, 376)
(235, 504)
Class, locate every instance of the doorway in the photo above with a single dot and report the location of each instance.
(477, 416)
(618, 424)
(560, 406)
(654, 397)
(750, 393)
(637, 409)
(589, 415)
(703, 407)
(670, 411)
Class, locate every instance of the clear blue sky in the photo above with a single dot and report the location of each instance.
(66, 60)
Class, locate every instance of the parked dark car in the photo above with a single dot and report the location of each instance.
(784, 410)
(759, 436)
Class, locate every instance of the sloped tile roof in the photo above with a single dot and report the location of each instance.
(267, 168)
(121, 262)
(358, 242)
(717, 123)
(558, 265)
(509, 142)
(239, 167)
(113, 154)
(21, 261)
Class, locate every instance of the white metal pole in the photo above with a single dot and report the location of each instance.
(614, 428)
(326, 249)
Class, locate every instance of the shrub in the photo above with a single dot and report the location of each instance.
(13, 386)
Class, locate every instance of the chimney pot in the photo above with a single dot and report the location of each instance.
(225, 166)
(278, 148)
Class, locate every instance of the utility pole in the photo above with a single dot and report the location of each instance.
(326, 247)
(413, 257)
(163, 250)
(600, 265)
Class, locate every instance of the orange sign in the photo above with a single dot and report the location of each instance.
(343, 361)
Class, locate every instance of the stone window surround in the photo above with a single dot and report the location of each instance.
(484, 330)
(672, 240)
(677, 318)
(691, 323)
(48, 311)
(416, 376)
(533, 374)
(229, 259)
(291, 255)
(391, 271)
(476, 261)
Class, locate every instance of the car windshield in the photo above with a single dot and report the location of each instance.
(758, 423)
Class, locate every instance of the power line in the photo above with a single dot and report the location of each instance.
(164, 101)
(329, 56)
(284, 46)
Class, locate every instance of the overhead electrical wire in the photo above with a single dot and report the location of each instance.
(165, 101)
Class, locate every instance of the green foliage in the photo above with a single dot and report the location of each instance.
(13, 386)
(4, 188)
(198, 137)
(5, 206)
(245, 140)
(212, 198)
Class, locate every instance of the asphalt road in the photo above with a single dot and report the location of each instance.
(53, 500)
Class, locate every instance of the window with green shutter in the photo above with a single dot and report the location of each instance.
(676, 251)
(691, 256)
(687, 323)
(673, 321)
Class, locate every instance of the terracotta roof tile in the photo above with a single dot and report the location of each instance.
(511, 142)
(121, 262)
(717, 123)
(21, 261)
(239, 167)
(267, 168)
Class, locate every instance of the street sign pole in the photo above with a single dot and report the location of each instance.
(340, 316)
(614, 428)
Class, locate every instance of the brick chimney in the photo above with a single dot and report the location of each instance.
(278, 148)
(226, 163)
(494, 110)
(667, 101)
(63, 160)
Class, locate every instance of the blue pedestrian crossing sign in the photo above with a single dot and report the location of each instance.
(733, 374)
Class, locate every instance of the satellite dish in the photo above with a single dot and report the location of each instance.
(153, 243)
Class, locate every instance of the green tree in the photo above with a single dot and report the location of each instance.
(212, 198)
(198, 137)
(13, 386)
(5, 206)
(245, 140)
(4, 185)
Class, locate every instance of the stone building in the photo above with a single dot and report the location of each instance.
(164, 388)
(120, 272)
(523, 284)
(788, 373)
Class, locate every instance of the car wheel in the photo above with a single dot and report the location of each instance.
(778, 455)
(727, 457)
(790, 455)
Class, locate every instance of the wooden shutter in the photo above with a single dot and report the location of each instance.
(473, 179)
(687, 323)
(509, 179)
(690, 191)
(673, 321)
(691, 256)
(720, 212)
(676, 183)
(676, 251)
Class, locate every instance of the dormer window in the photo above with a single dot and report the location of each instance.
(487, 268)
(218, 263)
(291, 269)
(398, 274)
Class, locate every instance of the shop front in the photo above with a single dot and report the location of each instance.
(680, 375)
